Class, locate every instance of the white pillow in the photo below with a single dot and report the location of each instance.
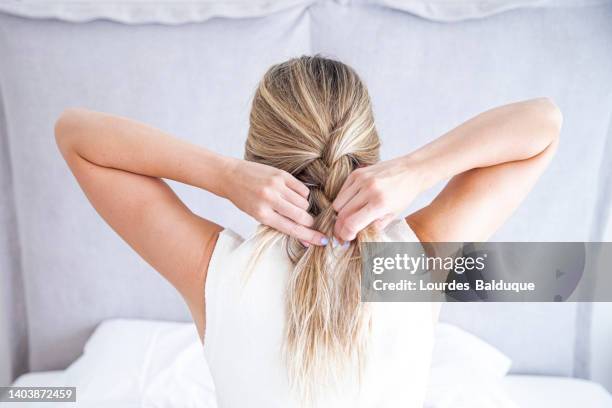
(466, 355)
(145, 11)
(466, 371)
(180, 12)
(457, 10)
(150, 363)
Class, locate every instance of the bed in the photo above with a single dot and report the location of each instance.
(181, 67)
(161, 364)
(526, 391)
(542, 391)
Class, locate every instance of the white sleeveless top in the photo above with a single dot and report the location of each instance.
(245, 331)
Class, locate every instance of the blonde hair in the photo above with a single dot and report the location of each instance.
(312, 117)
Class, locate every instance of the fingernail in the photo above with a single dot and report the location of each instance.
(324, 241)
(346, 245)
(335, 242)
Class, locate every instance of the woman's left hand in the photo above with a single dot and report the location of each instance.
(375, 195)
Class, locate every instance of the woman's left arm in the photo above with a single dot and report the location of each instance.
(493, 160)
(120, 163)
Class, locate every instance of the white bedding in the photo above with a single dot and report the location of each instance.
(58, 379)
(530, 391)
(526, 391)
(148, 364)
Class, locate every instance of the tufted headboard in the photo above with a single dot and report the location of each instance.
(62, 270)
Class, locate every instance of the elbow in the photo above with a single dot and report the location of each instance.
(549, 116)
(66, 126)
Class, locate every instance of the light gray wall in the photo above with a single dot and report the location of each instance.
(601, 351)
(13, 340)
(601, 335)
(5, 351)
(5, 207)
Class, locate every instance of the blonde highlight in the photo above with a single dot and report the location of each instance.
(312, 117)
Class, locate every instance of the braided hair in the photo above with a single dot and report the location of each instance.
(312, 117)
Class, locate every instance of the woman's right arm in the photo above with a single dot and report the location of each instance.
(493, 160)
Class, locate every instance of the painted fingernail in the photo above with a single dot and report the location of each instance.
(335, 242)
(346, 245)
(324, 241)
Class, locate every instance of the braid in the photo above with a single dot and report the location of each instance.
(312, 117)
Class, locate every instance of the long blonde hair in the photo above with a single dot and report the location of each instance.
(312, 117)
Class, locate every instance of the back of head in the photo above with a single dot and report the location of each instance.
(312, 117)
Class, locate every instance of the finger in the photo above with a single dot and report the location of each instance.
(381, 223)
(286, 226)
(297, 186)
(357, 222)
(306, 244)
(344, 196)
(355, 204)
(293, 212)
(295, 199)
(359, 201)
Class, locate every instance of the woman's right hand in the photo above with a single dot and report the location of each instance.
(375, 195)
(273, 197)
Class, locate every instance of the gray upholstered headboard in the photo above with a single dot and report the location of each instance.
(62, 270)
